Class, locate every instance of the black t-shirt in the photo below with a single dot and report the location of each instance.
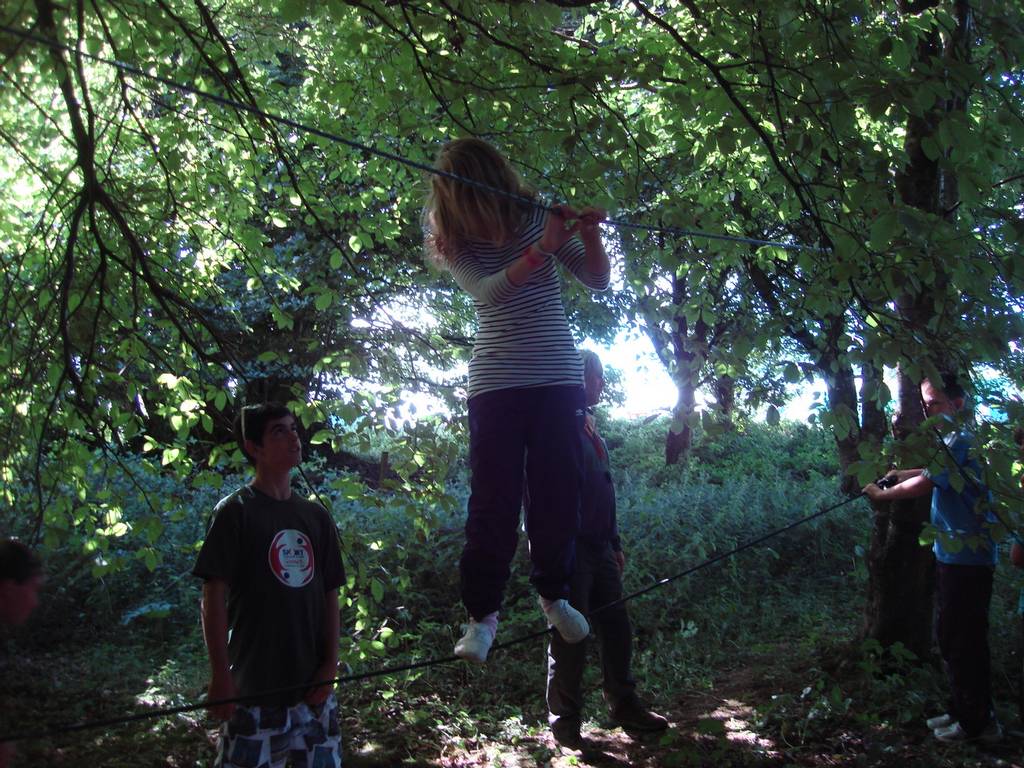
(278, 558)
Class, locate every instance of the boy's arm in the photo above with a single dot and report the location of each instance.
(904, 474)
(914, 486)
(328, 669)
(215, 633)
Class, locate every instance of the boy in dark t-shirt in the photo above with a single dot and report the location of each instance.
(271, 567)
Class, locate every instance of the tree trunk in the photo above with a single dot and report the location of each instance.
(901, 573)
(679, 439)
(901, 579)
(872, 420)
(842, 401)
(683, 351)
(725, 395)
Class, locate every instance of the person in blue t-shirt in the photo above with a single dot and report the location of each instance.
(966, 559)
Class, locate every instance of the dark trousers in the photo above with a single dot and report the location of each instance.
(964, 594)
(595, 582)
(511, 430)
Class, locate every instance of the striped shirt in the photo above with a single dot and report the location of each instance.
(523, 337)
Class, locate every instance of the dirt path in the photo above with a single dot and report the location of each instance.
(705, 730)
(720, 729)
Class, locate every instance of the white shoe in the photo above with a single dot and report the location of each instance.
(953, 732)
(941, 721)
(992, 734)
(475, 644)
(570, 623)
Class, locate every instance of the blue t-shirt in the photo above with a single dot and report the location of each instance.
(962, 524)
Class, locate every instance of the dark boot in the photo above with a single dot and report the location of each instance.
(566, 731)
(632, 715)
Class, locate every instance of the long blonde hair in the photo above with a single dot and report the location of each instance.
(456, 212)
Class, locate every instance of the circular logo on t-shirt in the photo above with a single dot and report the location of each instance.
(291, 558)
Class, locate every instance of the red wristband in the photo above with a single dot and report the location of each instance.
(534, 256)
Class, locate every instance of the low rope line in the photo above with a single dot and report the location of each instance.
(724, 555)
(252, 109)
(124, 720)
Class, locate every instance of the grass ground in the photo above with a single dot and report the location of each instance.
(781, 700)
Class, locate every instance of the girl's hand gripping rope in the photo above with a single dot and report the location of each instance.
(590, 223)
(561, 224)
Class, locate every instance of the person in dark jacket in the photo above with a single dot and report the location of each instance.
(596, 582)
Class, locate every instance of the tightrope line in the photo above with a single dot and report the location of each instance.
(88, 725)
(392, 156)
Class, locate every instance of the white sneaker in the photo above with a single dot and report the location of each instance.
(475, 644)
(570, 623)
(941, 721)
(952, 732)
(992, 734)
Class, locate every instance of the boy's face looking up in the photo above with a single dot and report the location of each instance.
(936, 401)
(280, 448)
(18, 599)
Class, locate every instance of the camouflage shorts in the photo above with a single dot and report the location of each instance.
(301, 736)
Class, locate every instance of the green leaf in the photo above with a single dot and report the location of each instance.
(282, 318)
(883, 230)
(900, 54)
(293, 10)
(931, 148)
(321, 437)
(377, 589)
(169, 380)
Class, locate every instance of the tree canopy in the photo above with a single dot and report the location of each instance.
(169, 251)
